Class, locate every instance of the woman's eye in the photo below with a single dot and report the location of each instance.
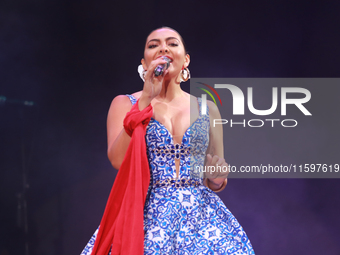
(173, 44)
(152, 46)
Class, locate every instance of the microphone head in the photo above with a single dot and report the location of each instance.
(168, 60)
(160, 68)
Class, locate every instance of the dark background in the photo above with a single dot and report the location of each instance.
(73, 57)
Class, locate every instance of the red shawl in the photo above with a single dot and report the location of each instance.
(122, 224)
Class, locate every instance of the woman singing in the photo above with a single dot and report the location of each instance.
(180, 212)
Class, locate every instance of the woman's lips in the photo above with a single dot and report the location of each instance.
(167, 57)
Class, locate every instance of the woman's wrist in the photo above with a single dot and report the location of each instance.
(144, 101)
(216, 187)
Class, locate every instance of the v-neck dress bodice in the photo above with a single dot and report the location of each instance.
(163, 151)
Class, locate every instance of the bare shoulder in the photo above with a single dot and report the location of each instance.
(123, 102)
(120, 102)
(213, 110)
(193, 100)
(120, 105)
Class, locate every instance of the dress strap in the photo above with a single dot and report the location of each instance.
(199, 100)
(132, 99)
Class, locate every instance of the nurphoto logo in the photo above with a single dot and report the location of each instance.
(238, 104)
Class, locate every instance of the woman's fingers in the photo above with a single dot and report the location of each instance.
(208, 161)
(218, 167)
(153, 84)
(151, 68)
(217, 161)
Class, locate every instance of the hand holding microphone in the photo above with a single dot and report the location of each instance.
(161, 68)
(153, 81)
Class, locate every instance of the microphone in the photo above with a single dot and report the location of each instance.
(161, 68)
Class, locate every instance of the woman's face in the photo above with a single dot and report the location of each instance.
(166, 42)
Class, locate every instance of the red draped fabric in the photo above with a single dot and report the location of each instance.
(122, 224)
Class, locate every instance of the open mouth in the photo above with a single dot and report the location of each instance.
(166, 58)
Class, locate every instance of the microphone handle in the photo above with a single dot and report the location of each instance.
(161, 68)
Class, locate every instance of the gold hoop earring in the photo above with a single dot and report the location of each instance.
(185, 74)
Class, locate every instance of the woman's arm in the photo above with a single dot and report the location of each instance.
(117, 139)
(215, 152)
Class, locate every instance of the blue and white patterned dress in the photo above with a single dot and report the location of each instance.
(181, 215)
